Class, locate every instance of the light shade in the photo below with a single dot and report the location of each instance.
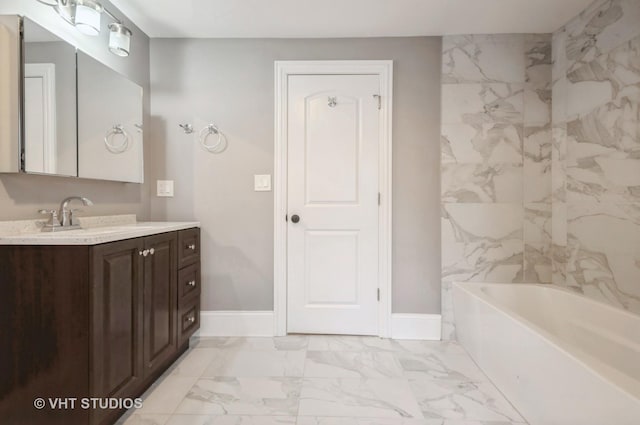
(88, 13)
(67, 10)
(49, 2)
(119, 39)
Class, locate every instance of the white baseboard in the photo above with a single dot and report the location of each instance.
(416, 326)
(236, 323)
(260, 323)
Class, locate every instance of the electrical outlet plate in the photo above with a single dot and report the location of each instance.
(165, 188)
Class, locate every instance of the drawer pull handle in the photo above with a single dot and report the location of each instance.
(191, 319)
(145, 252)
(192, 247)
(152, 251)
(191, 283)
(140, 253)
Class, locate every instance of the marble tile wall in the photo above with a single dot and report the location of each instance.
(496, 163)
(596, 153)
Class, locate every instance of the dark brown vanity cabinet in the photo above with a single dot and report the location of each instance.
(117, 320)
(160, 300)
(93, 321)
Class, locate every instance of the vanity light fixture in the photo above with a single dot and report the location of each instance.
(86, 16)
(66, 9)
(119, 39)
(49, 2)
(88, 13)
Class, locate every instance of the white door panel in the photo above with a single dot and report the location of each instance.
(333, 141)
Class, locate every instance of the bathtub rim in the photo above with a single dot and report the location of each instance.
(622, 382)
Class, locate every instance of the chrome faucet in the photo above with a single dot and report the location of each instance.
(66, 214)
(63, 219)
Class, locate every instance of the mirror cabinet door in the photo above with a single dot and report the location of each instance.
(10, 94)
(109, 124)
(50, 139)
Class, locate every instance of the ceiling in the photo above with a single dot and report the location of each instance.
(346, 18)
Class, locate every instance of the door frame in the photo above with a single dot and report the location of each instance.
(47, 73)
(283, 69)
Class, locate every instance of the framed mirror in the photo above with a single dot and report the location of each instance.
(109, 124)
(50, 140)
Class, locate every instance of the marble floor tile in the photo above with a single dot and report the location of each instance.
(243, 396)
(462, 400)
(428, 347)
(142, 419)
(455, 422)
(352, 364)
(285, 343)
(323, 380)
(230, 420)
(320, 420)
(374, 398)
(453, 367)
(195, 361)
(348, 343)
(243, 363)
(166, 396)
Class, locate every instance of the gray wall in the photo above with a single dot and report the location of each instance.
(230, 83)
(22, 195)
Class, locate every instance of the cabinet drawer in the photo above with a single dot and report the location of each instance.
(188, 282)
(189, 321)
(188, 247)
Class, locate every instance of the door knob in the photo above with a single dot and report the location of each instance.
(295, 218)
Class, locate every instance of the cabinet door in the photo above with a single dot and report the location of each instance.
(116, 306)
(160, 300)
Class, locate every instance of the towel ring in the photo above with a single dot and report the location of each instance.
(115, 131)
(204, 135)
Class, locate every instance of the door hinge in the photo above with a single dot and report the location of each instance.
(379, 99)
(378, 294)
(379, 198)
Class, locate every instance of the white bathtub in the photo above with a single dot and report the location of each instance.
(559, 357)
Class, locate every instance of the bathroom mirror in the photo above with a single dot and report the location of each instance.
(109, 124)
(50, 140)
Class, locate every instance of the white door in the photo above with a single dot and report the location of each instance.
(332, 249)
(40, 122)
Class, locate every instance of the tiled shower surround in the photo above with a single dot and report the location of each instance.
(596, 153)
(496, 161)
(541, 157)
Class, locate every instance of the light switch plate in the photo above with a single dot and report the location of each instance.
(262, 182)
(165, 188)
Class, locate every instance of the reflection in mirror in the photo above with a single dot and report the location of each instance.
(50, 142)
(109, 124)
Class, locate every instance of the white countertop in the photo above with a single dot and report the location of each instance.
(90, 235)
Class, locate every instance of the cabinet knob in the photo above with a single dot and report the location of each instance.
(192, 247)
(140, 253)
(152, 251)
(191, 283)
(145, 252)
(191, 319)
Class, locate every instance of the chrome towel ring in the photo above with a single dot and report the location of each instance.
(220, 141)
(117, 130)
